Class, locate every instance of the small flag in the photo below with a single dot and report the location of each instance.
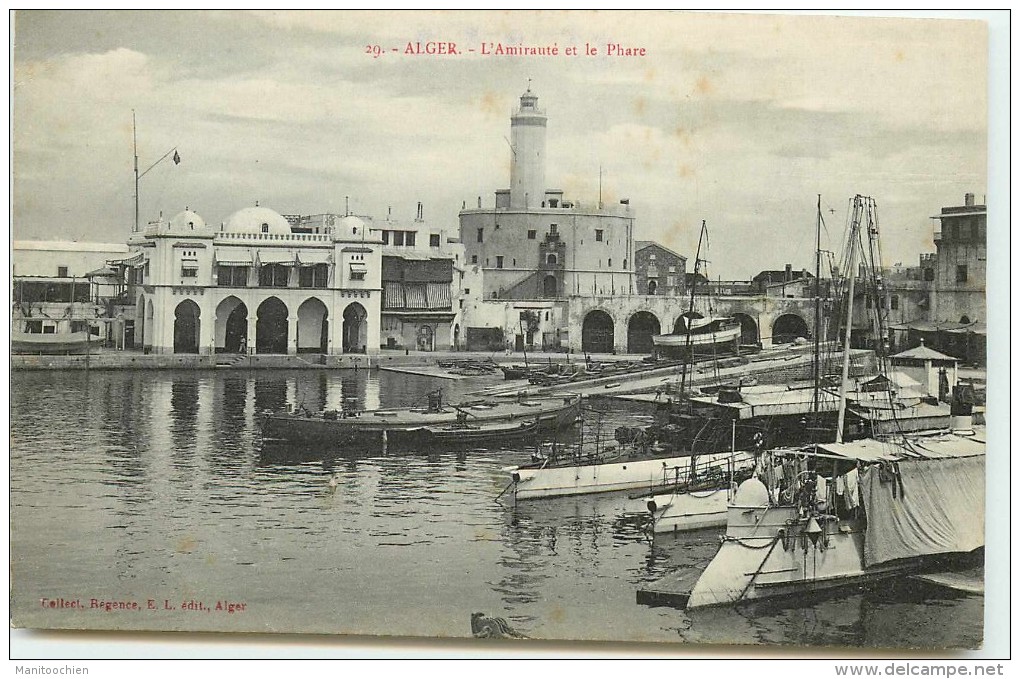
(177, 158)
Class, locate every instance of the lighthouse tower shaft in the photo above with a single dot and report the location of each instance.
(527, 138)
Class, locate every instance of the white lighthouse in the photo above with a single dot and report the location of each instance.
(527, 139)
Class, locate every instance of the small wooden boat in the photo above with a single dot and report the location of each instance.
(464, 432)
(405, 425)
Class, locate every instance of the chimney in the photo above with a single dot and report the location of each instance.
(789, 273)
(968, 199)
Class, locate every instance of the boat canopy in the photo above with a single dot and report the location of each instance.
(922, 447)
(919, 508)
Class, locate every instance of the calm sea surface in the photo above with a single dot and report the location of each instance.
(154, 488)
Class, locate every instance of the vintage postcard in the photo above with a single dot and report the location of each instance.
(578, 326)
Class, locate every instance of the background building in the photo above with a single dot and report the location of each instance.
(535, 244)
(62, 287)
(422, 270)
(255, 285)
(658, 270)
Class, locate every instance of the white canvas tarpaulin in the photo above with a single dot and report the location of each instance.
(930, 507)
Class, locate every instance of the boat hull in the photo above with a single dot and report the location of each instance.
(410, 427)
(65, 343)
(624, 473)
(756, 561)
(677, 512)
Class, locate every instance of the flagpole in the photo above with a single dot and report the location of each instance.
(134, 137)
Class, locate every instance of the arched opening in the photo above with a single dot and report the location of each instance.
(426, 338)
(965, 319)
(456, 337)
(652, 286)
(150, 316)
(355, 329)
(271, 326)
(186, 327)
(550, 258)
(232, 326)
(597, 332)
(139, 335)
(549, 286)
(680, 325)
(788, 328)
(748, 329)
(641, 327)
(313, 327)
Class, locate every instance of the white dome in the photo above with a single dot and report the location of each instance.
(350, 223)
(257, 220)
(187, 220)
(751, 493)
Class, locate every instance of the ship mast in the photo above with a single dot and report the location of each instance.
(818, 305)
(690, 313)
(855, 227)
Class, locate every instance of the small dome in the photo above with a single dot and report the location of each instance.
(351, 222)
(257, 220)
(186, 220)
(751, 493)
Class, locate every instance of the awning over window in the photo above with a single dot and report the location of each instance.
(275, 257)
(439, 295)
(233, 257)
(358, 267)
(313, 257)
(136, 259)
(416, 297)
(393, 296)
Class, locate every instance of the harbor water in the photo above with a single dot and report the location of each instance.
(152, 489)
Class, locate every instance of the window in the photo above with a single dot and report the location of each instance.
(894, 302)
(671, 281)
(651, 257)
(672, 269)
(313, 276)
(553, 230)
(385, 237)
(499, 261)
(189, 271)
(610, 265)
(625, 264)
(467, 291)
(961, 273)
(532, 234)
(232, 276)
(398, 238)
(481, 235)
(551, 258)
(929, 275)
(598, 235)
(409, 239)
(61, 272)
(474, 259)
(34, 327)
(265, 227)
(434, 240)
(273, 276)
(49, 330)
(965, 231)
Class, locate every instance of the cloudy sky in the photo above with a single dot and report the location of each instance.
(738, 120)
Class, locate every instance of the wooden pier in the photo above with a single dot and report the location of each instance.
(673, 589)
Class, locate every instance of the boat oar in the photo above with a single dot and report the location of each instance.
(512, 483)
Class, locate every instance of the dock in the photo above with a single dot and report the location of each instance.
(673, 589)
(423, 370)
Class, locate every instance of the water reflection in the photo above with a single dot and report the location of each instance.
(157, 483)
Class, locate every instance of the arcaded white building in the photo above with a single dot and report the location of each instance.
(256, 284)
